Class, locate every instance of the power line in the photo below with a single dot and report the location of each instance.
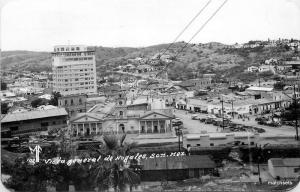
(185, 28)
(199, 30)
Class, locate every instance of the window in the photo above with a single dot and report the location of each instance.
(66, 102)
(77, 48)
(120, 103)
(80, 101)
(54, 123)
(296, 170)
(121, 113)
(62, 49)
(211, 144)
(198, 145)
(72, 102)
(44, 124)
(14, 128)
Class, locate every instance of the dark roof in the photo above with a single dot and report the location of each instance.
(98, 116)
(181, 162)
(37, 114)
(168, 113)
(285, 162)
(191, 82)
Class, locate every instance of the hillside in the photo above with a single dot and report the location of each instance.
(195, 59)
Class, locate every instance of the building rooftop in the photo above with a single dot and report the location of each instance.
(181, 162)
(37, 114)
(88, 114)
(267, 89)
(285, 162)
(219, 135)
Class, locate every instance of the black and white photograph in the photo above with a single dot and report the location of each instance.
(150, 95)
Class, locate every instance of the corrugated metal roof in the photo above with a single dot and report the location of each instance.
(285, 162)
(11, 117)
(178, 162)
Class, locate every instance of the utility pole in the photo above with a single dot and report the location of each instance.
(295, 113)
(222, 113)
(232, 109)
(294, 98)
(258, 161)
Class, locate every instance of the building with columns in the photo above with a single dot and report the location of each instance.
(142, 116)
(86, 124)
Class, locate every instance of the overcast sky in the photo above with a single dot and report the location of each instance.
(40, 24)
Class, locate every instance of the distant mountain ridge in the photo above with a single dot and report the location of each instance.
(196, 58)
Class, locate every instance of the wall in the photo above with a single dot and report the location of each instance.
(35, 125)
(206, 141)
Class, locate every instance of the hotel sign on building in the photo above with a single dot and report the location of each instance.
(74, 70)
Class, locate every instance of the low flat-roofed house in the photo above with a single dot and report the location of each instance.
(294, 64)
(252, 69)
(144, 68)
(219, 139)
(260, 89)
(34, 122)
(176, 167)
(196, 84)
(284, 167)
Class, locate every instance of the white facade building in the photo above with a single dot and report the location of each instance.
(74, 70)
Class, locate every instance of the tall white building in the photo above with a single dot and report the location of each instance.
(74, 70)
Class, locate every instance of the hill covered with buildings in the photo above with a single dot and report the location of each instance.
(194, 60)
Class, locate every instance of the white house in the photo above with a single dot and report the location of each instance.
(284, 167)
(252, 69)
(219, 139)
(265, 68)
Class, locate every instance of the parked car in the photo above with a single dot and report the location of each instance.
(209, 121)
(177, 122)
(195, 117)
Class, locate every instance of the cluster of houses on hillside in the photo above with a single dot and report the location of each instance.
(292, 44)
(144, 110)
(286, 69)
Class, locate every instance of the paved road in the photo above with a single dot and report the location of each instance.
(283, 134)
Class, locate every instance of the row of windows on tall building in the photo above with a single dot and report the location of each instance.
(75, 65)
(76, 89)
(60, 70)
(73, 54)
(74, 75)
(75, 79)
(78, 58)
(67, 49)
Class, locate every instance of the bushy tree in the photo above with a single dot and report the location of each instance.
(4, 108)
(114, 173)
(54, 99)
(279, 85)
(292, 112)
(3, 86)
(38, 102)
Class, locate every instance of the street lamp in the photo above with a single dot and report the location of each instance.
(178, 133)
